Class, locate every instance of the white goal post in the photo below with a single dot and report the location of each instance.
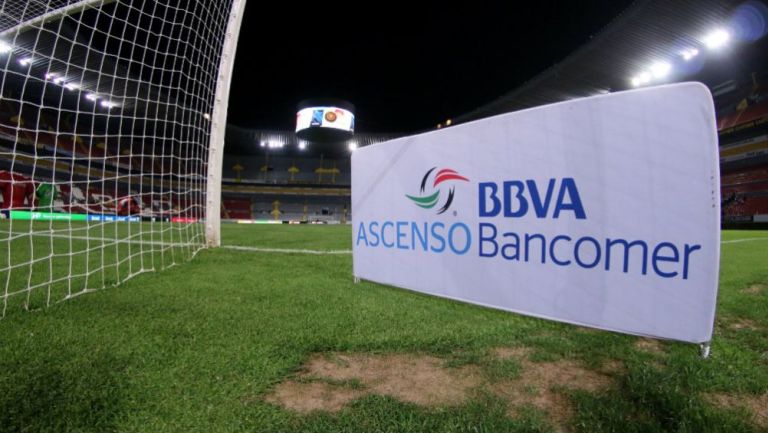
(112, 120)
(219, 126)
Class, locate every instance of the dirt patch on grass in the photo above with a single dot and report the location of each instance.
(416, 379)
(755, 289)
(740, 324)
(649, 345)
(542, 385)
(306, 397)
(329, 382)
(756, 405)
(613, 367)
(512, 352)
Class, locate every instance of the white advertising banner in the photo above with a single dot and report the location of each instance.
(602, 212)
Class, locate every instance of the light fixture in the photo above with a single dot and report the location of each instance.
(689, 54)
(641, 78)
(92, 97)
(26, 61)
(716, 39)
(109, 104)
(660, 69)
(5, 47)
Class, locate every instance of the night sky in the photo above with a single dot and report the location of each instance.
(406, 66)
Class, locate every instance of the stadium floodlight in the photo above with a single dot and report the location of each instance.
(641, 79)
(106, 166)
(660, 69)
(302, 145)
(352, 146)
(689, 54)
(109, 104)
(448, 122)
(716, 39)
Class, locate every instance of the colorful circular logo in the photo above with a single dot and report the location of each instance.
(429, 200)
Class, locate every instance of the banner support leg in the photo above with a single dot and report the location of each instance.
(704, 349)
(356, 280)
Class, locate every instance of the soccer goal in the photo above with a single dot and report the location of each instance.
(112, 117)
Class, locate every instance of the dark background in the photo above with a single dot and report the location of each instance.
(406, 66)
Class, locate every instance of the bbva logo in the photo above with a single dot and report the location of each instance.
(518, 196)
(428, 201)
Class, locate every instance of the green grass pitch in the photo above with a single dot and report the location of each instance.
(199, 346)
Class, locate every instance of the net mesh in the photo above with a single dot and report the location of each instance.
(104, 136)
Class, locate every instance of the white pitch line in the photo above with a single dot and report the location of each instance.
(285, 250)
(245, 248)
(21, 235)
(183, 244)
(331, 252)
(734, 241)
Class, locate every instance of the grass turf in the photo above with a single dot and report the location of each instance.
(198, 346)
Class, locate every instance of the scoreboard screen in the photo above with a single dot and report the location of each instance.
(325, 117)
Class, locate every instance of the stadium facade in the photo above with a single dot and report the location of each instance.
(274, 175)
(648, 34)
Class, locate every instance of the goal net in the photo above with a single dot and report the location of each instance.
(111, 130)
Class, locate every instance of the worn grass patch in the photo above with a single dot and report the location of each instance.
(307, 397)
(417, 379)
(741, 323)
(649, 345)
(427, 381)
(756, 405)
(543, 385)
(755, 289)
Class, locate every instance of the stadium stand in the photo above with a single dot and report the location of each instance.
(233, 208)
(743, 130)
(273, 175)
(104, 180)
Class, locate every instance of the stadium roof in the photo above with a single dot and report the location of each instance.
(246, 141)
(649, 32)
(83, 55)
